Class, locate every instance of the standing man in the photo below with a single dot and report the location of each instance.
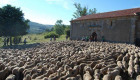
(54, 38)
(94, 35)
(25, 41)
(4, 41)
(7, 41)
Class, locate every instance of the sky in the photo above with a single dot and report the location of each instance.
(49, 11)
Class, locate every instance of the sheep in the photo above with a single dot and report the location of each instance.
(137, 68)
(97, 74)
(131, 63)
(64, 60)
(28, 77)
(118, 77)
(78, 77)
(4, 73)
(21, 64)
(11, 77)
(136, 60)
(68, 74)
(107, 77)
(88, 68)
(119, 63)
(120, 57)
(130, 71)
(126, 58)
(2, 67)
(87, 76)
(104, 69)
(138, 77)
(113, 73)
(71, 78)
(132, 57)
(20, 71)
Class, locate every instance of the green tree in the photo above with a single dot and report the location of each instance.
(59, 27)
(12, 22)
(82, 11)
(67, 31)
(48, 30)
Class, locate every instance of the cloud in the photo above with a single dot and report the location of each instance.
(63, 3)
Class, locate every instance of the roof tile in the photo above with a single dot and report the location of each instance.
(120, 13)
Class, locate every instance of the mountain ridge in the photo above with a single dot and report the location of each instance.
(38, 27)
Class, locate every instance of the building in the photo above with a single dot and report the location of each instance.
(121, 26)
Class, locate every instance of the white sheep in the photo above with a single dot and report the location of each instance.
(130, 71)
(11, 77)
(107, 77)
(137, 68)
(138, 77)
(87, 76)
(119, 63)
(118, 77)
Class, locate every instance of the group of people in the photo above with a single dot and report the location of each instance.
(6, 41)
(16, 40)
(92, 38)
(53, 39)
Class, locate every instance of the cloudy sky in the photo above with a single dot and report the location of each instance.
(48, 11)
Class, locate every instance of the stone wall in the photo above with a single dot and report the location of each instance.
(113, 29)
(138, 29)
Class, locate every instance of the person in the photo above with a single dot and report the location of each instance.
(82, 38)
(14, 40)
(19, 41)
(103, 38)
(50, 38)
(87, 38)
(7, 41)
(25, 41)
(94, 35)
(66, 37)
(91, 38)
(4, 41)
(54, 38)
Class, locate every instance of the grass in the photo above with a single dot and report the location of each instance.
(36, 38)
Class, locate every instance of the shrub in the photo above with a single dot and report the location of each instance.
(51, 34)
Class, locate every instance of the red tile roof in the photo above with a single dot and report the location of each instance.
(120, 13)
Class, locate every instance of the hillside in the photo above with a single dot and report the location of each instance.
(38, 28)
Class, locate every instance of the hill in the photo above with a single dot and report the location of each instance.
(38, 28)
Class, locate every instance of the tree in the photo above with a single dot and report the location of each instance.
(59, 27)
(12, 22)
(67, 31)
(82, 11)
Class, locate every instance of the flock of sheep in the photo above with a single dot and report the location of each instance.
(71, 60)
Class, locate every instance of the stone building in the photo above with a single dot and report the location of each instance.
(121, 26)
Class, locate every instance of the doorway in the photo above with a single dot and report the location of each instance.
(137, 42)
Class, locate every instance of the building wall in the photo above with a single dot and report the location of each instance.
(113, 29)
(138, 29)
